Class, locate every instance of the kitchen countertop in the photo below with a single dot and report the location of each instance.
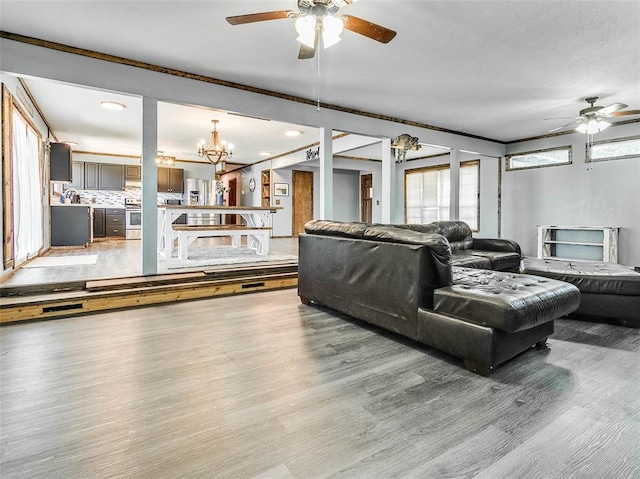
(71, 204)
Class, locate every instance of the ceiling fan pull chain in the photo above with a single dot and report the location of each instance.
(318, 81)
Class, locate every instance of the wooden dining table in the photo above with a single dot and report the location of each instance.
(252, 217)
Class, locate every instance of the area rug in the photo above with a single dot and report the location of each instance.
(222, 255)
(48, 261)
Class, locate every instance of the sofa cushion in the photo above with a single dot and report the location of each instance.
(336, 228)
(500, 260)
(465, 259)
(457, 232)
(506, 301)
(437, 244)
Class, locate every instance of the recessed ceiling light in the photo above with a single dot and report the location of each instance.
(293, 133)
(265, 153)
(70, 143)
(112, 105)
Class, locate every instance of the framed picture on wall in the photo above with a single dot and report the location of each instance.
(281, 189)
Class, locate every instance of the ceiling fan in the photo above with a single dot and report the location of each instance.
(317, 18)
(592, 119)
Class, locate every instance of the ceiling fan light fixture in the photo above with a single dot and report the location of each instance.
(582, 128)
(306, 28)
(592, 126)
(331, 29)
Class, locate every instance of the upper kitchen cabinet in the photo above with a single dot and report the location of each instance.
(60, 162)
(111, 177)
(132, 173)
(97, 176)
(91, 176)
(170, 180)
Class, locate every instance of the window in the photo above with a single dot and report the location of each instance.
(427, 194)
(539, 158)
(618, 149)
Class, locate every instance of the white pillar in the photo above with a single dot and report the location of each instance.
(326, 173)
(454, 178)
(388, 182)
(149, 186)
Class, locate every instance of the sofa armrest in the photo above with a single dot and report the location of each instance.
(495, 244)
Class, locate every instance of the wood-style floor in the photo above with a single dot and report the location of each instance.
(261, 386)
(116, 259)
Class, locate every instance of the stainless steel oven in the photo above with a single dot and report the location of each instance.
(133, 218)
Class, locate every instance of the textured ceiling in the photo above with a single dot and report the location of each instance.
(486, 68)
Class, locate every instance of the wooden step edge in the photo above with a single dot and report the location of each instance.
(100, 302)
(76, 295)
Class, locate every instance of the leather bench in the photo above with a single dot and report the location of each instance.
(607, 290)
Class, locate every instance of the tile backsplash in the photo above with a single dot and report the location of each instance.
(116, 198)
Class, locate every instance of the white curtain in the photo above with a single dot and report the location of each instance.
(27, 188)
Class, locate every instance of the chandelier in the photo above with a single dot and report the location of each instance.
(216, 152)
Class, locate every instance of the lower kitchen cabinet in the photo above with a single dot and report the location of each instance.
(98, 223)
(70, 225)
(109, 223)
(115, 222)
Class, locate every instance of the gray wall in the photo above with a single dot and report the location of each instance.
(583, 194)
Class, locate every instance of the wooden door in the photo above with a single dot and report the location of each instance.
(302, 200)
(232, 201)
(366, 189)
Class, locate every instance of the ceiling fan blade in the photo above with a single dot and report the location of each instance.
(564, 126)
(306, 51)
(626, 113)
(260, 17)
(564, 118)
(368, 29)
(608, 110)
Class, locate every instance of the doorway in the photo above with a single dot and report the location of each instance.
(232, 201)
(366, 195)
(302, 200)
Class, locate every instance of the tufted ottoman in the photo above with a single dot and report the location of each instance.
(608, 290)
(487, 317)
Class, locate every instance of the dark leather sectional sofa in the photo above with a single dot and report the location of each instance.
(403, 279)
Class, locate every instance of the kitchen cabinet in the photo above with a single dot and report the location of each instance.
(70, 225)
(98, 223)
(77, 176)
(111, 177)
(109, 223)
(170, 180)
(91, 176)
(60, 167)
(132, 173)
(96, 176)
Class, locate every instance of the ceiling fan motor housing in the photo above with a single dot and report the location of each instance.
(319, 8)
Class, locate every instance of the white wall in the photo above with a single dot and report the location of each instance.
(346, 195)
(598, 194)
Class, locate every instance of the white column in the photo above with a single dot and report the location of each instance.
(149, 186)
(454, 177)
(388, 182)
(326, 173)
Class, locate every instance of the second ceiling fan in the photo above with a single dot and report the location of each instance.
(315, 19)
